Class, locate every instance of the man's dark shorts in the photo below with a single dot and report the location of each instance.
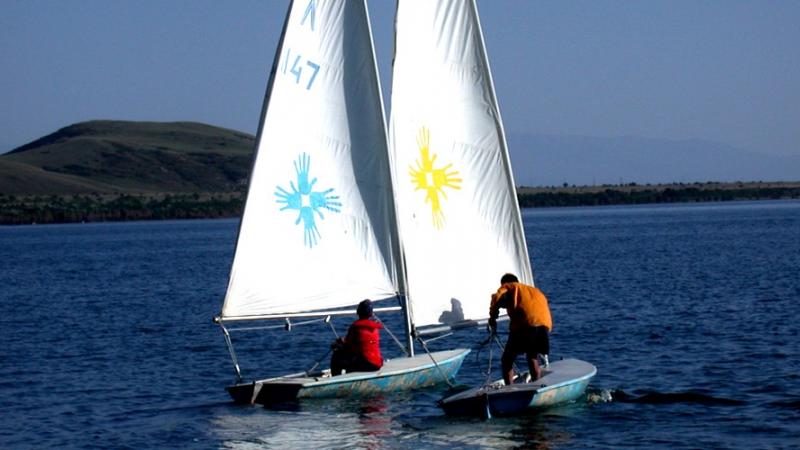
(530, 340)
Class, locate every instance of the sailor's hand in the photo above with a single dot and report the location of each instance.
(493, 325)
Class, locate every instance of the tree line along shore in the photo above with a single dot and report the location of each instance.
(43, 209)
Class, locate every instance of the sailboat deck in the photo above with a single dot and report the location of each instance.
(391, 367)
(562, 382)
(396, 374)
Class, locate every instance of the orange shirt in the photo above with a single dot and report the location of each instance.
(526, 305)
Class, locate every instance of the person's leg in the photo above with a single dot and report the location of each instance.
(539, 344)
(509, 355)
(360, 364)
(337, 362)
(507, 365)
(343, 360)
(533, 365)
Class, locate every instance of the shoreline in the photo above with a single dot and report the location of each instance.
(636, 194)
(96, 207)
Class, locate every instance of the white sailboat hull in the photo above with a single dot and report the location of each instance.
(563, 381)
(396, 374)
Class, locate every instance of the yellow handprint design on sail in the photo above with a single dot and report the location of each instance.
(432, 180)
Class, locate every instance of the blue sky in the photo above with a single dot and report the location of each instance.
(726, 71)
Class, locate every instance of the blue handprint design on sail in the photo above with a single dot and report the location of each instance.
(303, 199)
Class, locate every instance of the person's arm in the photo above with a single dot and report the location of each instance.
(349, 338)
(494, 307)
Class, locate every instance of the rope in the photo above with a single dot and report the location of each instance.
(486, 383)
(446, 379)
(440, 337)
(232, 352)
(328, 321)
(318, 361)
(488, 379)
(502, 347)
(402, 347)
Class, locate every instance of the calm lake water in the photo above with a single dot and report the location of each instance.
(690, 313)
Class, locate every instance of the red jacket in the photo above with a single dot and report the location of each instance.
(363, 337)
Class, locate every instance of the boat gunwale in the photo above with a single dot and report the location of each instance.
(566, 383)
(297, 379)
(522, 387)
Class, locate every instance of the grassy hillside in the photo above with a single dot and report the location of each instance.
(114, 170)
(129, 157)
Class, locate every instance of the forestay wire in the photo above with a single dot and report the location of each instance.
(492, 339)
(488, 380)
(327, 320)
(435, 363)
(397, 341)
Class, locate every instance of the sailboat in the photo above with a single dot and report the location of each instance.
(447, 130)
(424, 222)
(319, 231)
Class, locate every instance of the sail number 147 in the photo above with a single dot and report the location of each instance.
(301, 71)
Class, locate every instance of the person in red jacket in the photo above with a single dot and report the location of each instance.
(360, 350)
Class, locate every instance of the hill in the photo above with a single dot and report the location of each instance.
(129, 157)
(547, 160)
(115, 170)
(184, 157)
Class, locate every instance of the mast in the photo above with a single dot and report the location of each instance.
(399, 258)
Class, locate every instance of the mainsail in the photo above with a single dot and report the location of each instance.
(318, 229)
(457, 209)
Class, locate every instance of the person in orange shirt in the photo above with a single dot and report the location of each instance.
(529, 327)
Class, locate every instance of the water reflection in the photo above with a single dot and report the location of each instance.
(362, 423)
(389, 421)
(518, 432)
(374, 419)
(540, 432)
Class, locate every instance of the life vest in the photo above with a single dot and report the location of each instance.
(364, 338)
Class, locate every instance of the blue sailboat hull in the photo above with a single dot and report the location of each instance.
(563, 381)
(395, 375)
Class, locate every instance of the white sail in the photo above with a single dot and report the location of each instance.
(318, 229)
(457, 207)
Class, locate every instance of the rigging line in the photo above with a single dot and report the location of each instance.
(503, 347)
(488, 379)
(479, 347)
(319, 361)
(232, 352)
(397, 341)
(440, 337)
(435, 363)
(328, 321)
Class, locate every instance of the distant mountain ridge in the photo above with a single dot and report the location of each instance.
(107, 156)
(122, 157)
(549, 160)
